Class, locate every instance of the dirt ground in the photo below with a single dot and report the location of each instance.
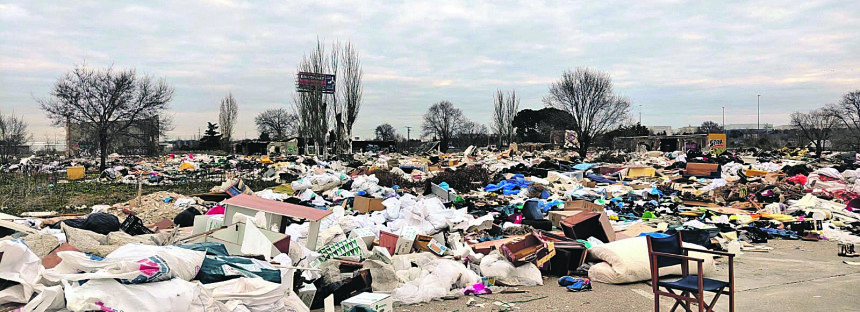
(795, 276)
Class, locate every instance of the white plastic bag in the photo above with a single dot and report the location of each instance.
(110, 295)
(256, 295)
(132, 264)
(19, 265)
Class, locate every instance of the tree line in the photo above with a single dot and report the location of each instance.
(106, 103)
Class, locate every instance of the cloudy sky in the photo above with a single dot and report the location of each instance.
(681, 61)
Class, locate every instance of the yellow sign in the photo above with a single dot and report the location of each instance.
(717, 142)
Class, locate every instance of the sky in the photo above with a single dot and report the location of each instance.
(680, 61)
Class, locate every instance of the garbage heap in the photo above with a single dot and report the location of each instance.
(405, 229)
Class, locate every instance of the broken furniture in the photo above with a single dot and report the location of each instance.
(276, 213)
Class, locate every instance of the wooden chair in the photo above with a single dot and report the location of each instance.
(663, 252)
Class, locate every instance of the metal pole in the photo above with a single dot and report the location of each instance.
(640, 114)
(758, 113)
(724, 119)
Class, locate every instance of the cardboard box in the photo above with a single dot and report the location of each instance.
(530, 248)
(422, 242)
(307, 294)
(388, 241)
(75, 173)
(567, 260)
(372, 301)
(582, 205)
(405, 240)
(638, 172)
(436, 247)
(365, 235)
(367, 204)
(586, 224)
(557, 216)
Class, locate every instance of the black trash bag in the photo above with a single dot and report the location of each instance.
(756, 235)
(100, 222)
(75, 223)
(531, 210)
(134, 226)
(186, 217)
(699, 237)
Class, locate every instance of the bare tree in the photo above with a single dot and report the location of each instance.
(228, 112)
(278, 123)
(442, 120)
(710, 127)
(106, 102)
(352, 89)
(385, 132)
(313, 106)
(504, 111)
(471, 133)
(816, 126)
(13, 135)
(847, 111)
(588, 96)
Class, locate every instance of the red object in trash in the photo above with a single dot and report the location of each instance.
(388, 241)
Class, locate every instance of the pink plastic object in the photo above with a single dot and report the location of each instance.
(216, 210)
(477, 289)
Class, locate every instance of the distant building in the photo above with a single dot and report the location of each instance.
(764, 126)
(663, 143)
(687, 130)
(141, 138)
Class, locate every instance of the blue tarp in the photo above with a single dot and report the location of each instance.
(510, 186)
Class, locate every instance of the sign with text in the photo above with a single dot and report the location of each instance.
(717, 142)
(309, 82)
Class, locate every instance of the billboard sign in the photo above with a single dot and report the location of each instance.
(717, 142)
(309, 82)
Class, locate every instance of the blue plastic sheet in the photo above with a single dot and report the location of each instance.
(583, 166)
(510, 186)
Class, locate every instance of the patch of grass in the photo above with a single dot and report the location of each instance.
(21, 192)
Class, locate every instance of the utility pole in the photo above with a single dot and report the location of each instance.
(724, 119)
(408, 132)
(408, 141)
(758, 113)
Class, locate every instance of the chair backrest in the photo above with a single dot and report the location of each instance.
(670, 245)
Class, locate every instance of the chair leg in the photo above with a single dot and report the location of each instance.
(656, 302)
(701, 298)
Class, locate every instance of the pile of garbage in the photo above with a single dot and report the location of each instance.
(385, 229)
